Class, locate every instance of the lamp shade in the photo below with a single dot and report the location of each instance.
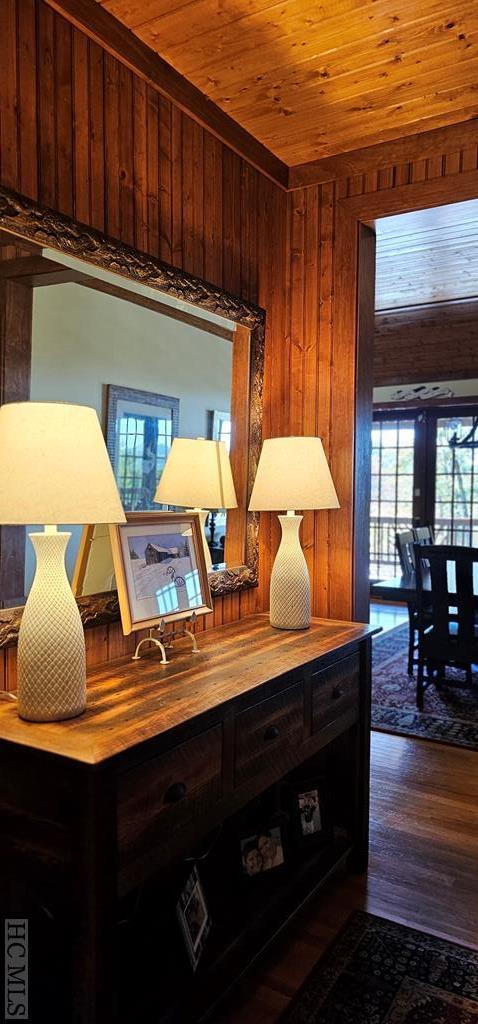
(293, 473)
(54, 466)
(197, 474)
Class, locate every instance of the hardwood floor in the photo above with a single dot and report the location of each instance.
(423, 868)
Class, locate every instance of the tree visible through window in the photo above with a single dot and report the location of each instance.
(456, 487)
(419, 479)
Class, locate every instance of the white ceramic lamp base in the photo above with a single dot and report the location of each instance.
(203, 514)
(51, 641)
(290, 580)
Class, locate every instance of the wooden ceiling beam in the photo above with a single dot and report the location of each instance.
(92, 19)
(386, 154)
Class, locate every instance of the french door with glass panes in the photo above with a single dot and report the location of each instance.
(418, 478)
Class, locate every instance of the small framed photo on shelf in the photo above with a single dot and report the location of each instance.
(160, 568)
(311, 811)
(194, 918)
(262, 851)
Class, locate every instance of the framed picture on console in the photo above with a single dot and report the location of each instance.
(194, 918)
(262, 850)
(310, 807)
(160, 568)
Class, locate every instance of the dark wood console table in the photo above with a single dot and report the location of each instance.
(92, 809)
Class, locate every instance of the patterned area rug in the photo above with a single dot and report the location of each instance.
(450, 714)
(378, 972)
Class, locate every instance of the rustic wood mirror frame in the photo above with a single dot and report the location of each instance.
(33, 227)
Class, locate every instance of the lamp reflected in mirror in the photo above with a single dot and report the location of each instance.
(197, 476)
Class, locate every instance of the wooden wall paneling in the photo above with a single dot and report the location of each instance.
(231, 221)
(47, 105)
(177, 187)
(342, 385)
(452, 163)
(272, 227)
(213, 209)
(27, 98)
(469, 158)
(81, 127)
(363, 422)
(9, 147)
(311, 342)
(112, 157)
(163, 155)
(64, 114)
(158, 164)
(419, 171)
(303, 337)
(96, 135)
(187, 195)
(126, 155)
(324, 398)
(140, 164)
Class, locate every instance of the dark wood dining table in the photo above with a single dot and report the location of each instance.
(404, 588)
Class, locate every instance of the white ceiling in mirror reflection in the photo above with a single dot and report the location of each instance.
(110, 277)
(83, 339)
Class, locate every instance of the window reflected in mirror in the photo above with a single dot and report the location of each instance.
(151, 376)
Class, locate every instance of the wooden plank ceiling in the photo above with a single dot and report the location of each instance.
(314, 78)
(427, 256)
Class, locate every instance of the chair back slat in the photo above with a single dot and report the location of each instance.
(440, 605)
(465, 604)
(424, 535)
(404, 543)
(448, 604)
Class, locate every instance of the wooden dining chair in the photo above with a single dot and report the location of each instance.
(424, 534)
(447, 630)
(404, 542)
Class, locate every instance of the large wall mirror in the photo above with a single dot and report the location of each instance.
(159, 354)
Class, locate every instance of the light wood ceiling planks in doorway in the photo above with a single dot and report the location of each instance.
(427, 256)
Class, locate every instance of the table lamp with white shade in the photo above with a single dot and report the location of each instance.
(54, 468)
(293, 473)
(197, 476)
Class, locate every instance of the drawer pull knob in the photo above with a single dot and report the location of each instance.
(271, 733)
(337, 693)
(175, 793)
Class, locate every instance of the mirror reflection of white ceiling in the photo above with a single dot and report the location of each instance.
(112, 277)
(427, 256)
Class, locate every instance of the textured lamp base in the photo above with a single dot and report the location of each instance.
(290, 581)
(51, 641)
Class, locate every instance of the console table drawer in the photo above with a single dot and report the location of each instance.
(335, 691)
(269, 733)
(160, 795)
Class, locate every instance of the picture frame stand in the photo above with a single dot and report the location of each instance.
(166, 638)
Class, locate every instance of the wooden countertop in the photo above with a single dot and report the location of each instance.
(131, 702)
